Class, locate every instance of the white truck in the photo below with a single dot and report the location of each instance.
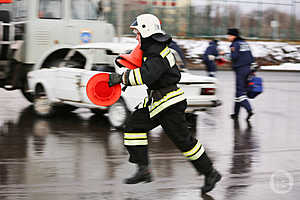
(30, 28)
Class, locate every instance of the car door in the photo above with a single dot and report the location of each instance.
(69, 83)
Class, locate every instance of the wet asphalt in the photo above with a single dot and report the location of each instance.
(78, 156)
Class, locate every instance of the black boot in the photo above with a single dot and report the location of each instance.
(210, 181)
(250, 113)
(234, 116)
(143, 174)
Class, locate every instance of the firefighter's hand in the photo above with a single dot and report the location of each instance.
(114, 79)
(117, 63)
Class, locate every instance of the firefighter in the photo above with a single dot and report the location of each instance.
(165, 105)
(209, 57)
(242, 59)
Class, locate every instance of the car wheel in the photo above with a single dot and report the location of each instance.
(42, 105)
(97, 111)
(29, 96)
(62, 109)
(118, 114)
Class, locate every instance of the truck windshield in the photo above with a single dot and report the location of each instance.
(50, 9)
(85, 9)
(19, 9)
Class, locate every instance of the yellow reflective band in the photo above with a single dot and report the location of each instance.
(171, 59)
(165, 52)
(166, 98)
(166, 104)
(130, 135)
(145, 102)
(198, 154)
(193, 150)
(132, 78)
(135, 142)
(138, 76)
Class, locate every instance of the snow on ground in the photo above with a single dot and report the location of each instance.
(279, 55)
(283, 67)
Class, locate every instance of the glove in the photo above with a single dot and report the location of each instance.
(117, 63)
(114, 79)
(211, 57)
(254, 66)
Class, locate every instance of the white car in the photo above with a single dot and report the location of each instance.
(58, 82)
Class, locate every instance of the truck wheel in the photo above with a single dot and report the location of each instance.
(42, 105)
(118, 114)
(4, 17)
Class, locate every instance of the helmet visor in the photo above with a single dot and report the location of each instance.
(134, 24)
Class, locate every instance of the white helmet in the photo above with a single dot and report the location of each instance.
(147, 25)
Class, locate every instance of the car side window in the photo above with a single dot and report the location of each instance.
(50, 9)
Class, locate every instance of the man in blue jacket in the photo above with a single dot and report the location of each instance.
(242, 58)
(209, 57)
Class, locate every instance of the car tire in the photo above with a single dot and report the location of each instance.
(65, 108)
(97, 111)
(28, 96)
(118, 114)
(42, 105)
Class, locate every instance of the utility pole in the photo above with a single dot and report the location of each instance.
(293, 20)
(120, 11)
(238, 17)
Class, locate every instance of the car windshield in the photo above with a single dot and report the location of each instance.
(85, 9)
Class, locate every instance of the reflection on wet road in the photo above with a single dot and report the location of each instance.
(78, 155)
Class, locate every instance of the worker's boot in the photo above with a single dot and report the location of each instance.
(210, 181)
(250, 113)
(234, 116)
(143, 174)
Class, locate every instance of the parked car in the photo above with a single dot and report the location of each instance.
(58, 82)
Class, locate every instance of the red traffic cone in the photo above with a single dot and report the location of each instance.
(132, 60)
(100, 93)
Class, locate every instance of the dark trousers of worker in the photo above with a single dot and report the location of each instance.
(211, 68)
(241, 100)
(174, 124)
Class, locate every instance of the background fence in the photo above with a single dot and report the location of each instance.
(258, 19)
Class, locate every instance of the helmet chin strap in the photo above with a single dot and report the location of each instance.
(138, 35)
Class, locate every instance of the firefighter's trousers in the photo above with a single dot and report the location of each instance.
(174, 124)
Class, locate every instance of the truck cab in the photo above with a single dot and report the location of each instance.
(30, 28)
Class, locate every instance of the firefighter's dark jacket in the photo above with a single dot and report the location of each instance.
(240, 53)
(159, 73)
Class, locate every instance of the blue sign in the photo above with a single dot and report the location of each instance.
(85, 36)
